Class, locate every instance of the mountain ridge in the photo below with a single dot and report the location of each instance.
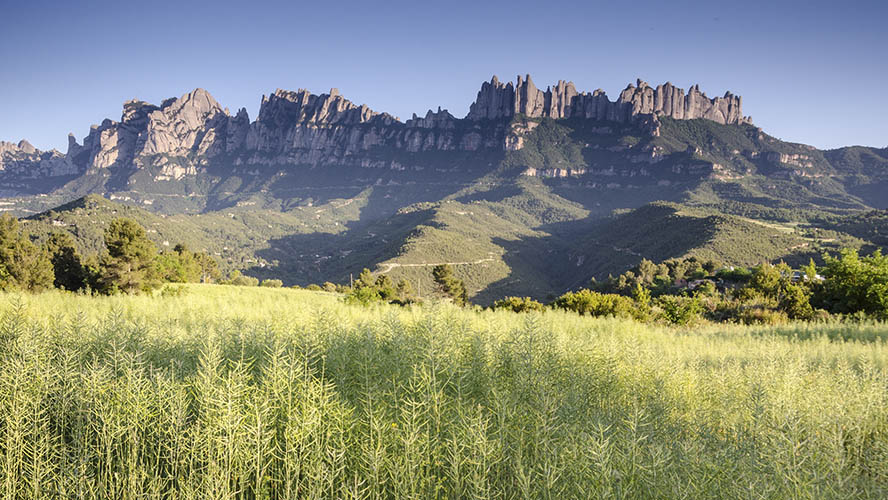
(289, 128)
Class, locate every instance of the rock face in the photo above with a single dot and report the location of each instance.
(23, 160)
(497, 100)
(189, 125)
(183, 135)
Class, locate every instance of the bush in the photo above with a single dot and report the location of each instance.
(271, 283)
(518, 304)
(596, 304)
(244, 281)
(762, 316)
(679, 310)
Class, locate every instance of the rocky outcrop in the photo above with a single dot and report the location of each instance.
(300, 127)
(183, 135)
(497, 100)
(179, 127)
(23, 160)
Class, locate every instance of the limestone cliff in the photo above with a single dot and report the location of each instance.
(497, 100)
(23, 160)
(183, 135)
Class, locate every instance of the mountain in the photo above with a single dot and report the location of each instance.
(532, 192)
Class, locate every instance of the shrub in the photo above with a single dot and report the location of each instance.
(762, 316)
(596, 304)
(244, 281)
(518, 304)
(272, 283)
(679, 310)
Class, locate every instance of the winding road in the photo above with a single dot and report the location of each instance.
(391, 265)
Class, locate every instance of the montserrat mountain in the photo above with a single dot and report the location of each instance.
(184, 135)
(497, 101)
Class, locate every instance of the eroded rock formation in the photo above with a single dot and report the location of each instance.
(498, 100)
(184, 134)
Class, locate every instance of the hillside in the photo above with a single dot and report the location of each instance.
(531, 193)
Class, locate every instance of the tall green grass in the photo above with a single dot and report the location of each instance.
(227, 392)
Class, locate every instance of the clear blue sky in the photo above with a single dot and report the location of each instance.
(809, 71)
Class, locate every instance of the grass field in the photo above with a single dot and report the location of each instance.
(224, 392)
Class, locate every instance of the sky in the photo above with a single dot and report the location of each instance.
(809, 71)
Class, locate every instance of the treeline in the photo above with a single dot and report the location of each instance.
(682, 291)
(130, 263)
(367, 289)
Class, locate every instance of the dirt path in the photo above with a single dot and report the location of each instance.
(391, 265)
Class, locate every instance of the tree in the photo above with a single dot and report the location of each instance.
(647, 271)
(209, 267)
(811, 272)
(184, 266)
(642, 298)
(129, 264)
(766, 280)
(385, 287)
(854, 284)
(405, 290)
(365, 279)
(795, 303)
(23, 265)
(450, 285)
(68, 269)
(679, 310)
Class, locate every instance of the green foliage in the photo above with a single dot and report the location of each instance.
(596, 304)
(68, 269)
(272, 283)
(449, 285)
(129, 265)
(23, 265)
(762, 316)
(678, 310)
(519, 304)
(854, 284)
(367, 290)
(796, 302)
(766, 280)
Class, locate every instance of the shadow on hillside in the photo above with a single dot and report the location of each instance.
(316, 257)
(575, 252)
(543, 267)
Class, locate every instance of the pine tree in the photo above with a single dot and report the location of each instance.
(449, 285)
(129, 265)
(23, 265)
(70, 274)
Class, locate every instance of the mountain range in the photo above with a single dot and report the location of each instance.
(532, 192)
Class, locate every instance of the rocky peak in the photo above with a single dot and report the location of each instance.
(136, 112)
(26, 147)
(286, 108)
(23, 160)
(433, 119)
(496, 100)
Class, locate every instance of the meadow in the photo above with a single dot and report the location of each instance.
(259, 393)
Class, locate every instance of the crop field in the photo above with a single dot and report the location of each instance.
(219, 392)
